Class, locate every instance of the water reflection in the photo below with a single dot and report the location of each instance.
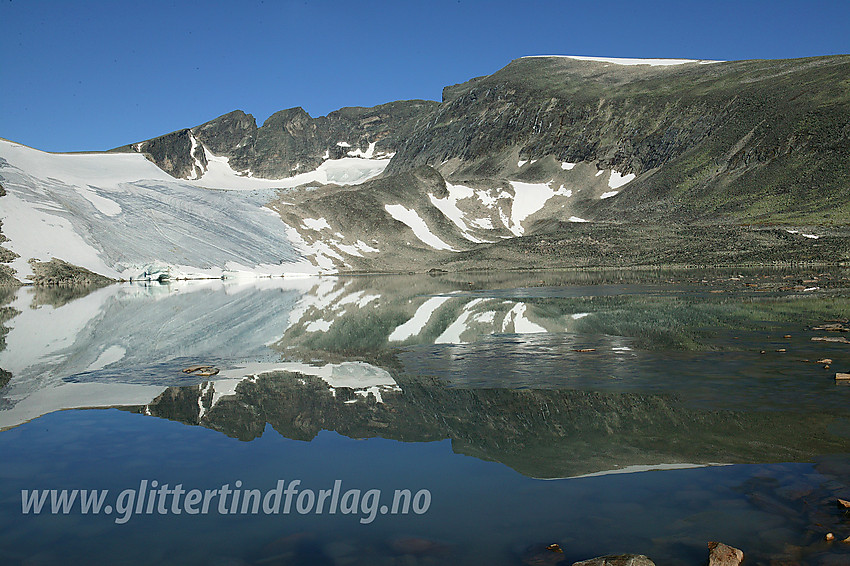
(575, 375)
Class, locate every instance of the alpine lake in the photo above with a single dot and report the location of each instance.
(450, 418)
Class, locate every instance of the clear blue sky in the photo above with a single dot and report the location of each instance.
(88, 75)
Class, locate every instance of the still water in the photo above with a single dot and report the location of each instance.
(631, 412)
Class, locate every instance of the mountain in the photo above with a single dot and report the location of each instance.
(550, 162)
(288, 143)
(744, 140)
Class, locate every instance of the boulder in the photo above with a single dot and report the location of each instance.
(720, 554)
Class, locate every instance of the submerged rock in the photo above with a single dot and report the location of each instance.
(617, 560)
(544, 555)
(417, 546)
(720, 554)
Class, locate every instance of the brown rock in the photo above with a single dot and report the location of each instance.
(829, 536)
(720, 554)
(824, 361)
(544, 555)
(617, 560)
(842, 377)
(202, 370)
(844, 503)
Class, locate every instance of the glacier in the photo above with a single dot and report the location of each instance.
(119, 215)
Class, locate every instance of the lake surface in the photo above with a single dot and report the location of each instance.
(624, 412)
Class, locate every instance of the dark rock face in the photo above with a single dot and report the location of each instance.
(290, 141)
(172, 153)
(228, 134)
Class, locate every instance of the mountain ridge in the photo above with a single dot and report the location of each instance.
(692, 132)
(549, 162)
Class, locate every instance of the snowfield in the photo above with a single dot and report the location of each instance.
(629, 61)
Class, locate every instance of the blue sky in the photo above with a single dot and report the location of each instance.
(89, 75)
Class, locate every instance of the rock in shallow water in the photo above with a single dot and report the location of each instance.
(720, 554)
(617, 560)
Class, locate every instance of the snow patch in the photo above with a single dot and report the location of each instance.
(448, 206)
(420, 318)
(109, 356)
(617, 179)
(627, 61)
(368, 154)
(197, 165)
(609, 194)
(344, 171)
(102, 204)
(452, 334)
(318, 326)
(521, 324)
(638, 468)
(484, 223)
(528, 199)
(364, 247)
(413, 221)
(316, 224)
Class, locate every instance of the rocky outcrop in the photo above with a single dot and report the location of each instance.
(7, 274)
(61, 273)
(174, 153)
